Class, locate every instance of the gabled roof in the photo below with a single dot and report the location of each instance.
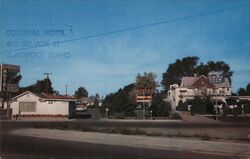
(50, 96)
(202, 81)
(45, 96)
(225, 84)
(189, 82)
(26, 92)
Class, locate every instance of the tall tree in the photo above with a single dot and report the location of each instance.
(14, 78)
(121, 101)
(188, 66)
(81, 92)
(244, 91)
(219, 66)
(159, 107)
(248, 89)
(41, 86)
(97, 96)
(147, 80)
(175, 71)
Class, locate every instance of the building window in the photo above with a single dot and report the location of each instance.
(50, 102)
(183, 90)
(27, 106)
(221, 92)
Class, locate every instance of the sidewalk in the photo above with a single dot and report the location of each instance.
(161, 143)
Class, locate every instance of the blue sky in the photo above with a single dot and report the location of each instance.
(106, 63)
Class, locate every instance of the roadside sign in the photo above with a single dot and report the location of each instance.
(216, 77)
(4, 80)
(7, 79)
(144, 95)
(140, 99)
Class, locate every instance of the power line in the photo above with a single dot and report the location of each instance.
(133, 28)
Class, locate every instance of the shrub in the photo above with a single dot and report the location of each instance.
(139, 114)
(159, 107)
(210, 107)
(199, 106)
(237, 110)
(182, 106)
(93, 106)
(119, 115)
(231, 101)
(226, 110)
(246, 107)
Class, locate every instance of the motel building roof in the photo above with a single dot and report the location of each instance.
(196, 81)
(47, 97)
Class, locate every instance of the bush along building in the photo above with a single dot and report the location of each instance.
(198, 86)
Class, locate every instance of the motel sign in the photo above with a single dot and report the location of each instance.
(7, 80)
(144, 95)
(216, 77)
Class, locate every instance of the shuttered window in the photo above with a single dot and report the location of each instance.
(27, 106)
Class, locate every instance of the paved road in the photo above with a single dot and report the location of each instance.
(21, 147)
(160, 143)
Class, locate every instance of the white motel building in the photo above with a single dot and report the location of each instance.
(198, 86)
(33, 104)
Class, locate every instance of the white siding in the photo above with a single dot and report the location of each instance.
(42, 107)
(175, 94)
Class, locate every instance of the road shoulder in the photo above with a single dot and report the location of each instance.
(161, 143)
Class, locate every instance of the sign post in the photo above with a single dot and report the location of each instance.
(216, 78)
(144, 95)
(143, 111)
(9, 83)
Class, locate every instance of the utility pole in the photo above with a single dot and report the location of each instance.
(143, 105)
(216, 78)
(47, 74)
(66, 89)
(8, 73)
(216, 105)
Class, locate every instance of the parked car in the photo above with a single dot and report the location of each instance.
(80, 108)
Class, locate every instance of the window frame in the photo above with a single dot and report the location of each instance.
(29, 107)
